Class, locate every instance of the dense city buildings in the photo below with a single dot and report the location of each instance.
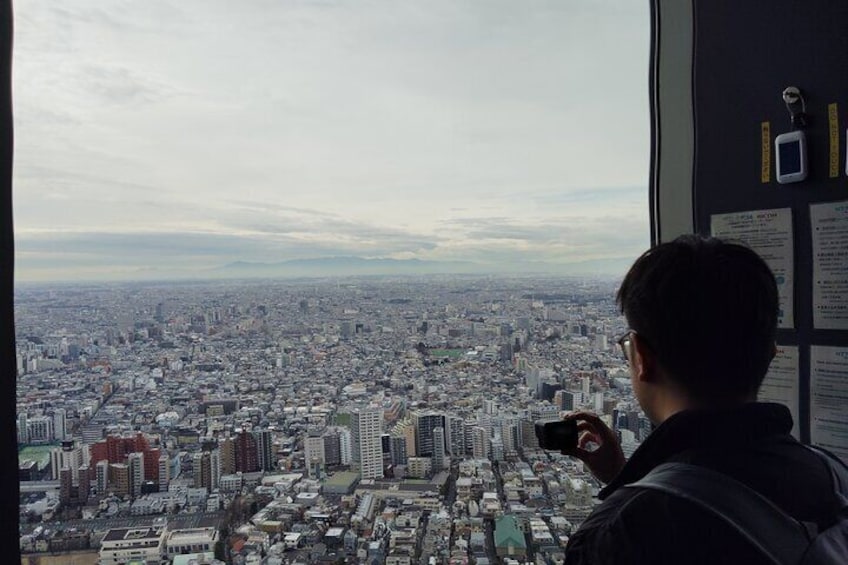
(369, 420)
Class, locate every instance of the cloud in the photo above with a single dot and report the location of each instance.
(296, 129)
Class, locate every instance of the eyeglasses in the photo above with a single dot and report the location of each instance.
(626, 343)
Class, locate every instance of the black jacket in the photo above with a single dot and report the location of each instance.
(751, 444)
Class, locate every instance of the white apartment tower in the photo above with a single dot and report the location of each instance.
(314, 455)
(102, 477)
(366, 426)
(135, 462)
(346, 446)
(164, 473)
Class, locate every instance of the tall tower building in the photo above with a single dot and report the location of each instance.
(23, 429)
(40, 429)
(60, 423)
(397, 449)
(314, 455)
(214, 469)
(425, 423)
(135, 464)
(119, 478)
(331, 447)
(84, 474)
(456, 436)
(264, 449)
(65, 485)
(69, 456)
(207, 469)
(101, 477)
(164, 472)
(438, 449)
(346, 446)
(481, 444)
(227, 446)
(366, 428)
(247, 456)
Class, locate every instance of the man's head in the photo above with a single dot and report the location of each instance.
(704, 312)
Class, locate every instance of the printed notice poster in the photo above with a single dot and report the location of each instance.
(828, 399)
(769, 233)
(829, 223)
(781, 382)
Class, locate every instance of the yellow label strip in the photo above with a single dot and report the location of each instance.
(833, 119)
(765, 131)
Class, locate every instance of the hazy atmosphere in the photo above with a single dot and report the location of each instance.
(173, 138)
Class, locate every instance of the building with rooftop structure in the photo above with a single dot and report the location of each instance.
(124, 545)
(509, 539)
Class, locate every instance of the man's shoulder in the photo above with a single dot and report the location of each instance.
(637, 525)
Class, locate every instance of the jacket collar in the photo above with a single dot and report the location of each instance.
(702, 429)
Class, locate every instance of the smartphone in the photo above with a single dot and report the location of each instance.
(557, 434)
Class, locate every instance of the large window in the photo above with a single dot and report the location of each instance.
(240, 225)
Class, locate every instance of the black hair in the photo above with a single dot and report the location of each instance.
(707, 309)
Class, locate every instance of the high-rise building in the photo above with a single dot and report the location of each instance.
(207, 469)
(528, 435)
(456, 436)
(40, 429)
(386, 447)
(215, 468)
(247, 456)
(227, 446)
(314, 455)
(101, 476)
(68, 455)
(23, 430)
(60, 423)
(397, 449)
(84, 481)
(164, 465)
(331, 448)
(135, 463)
(480, 438)
(496, 449)
(201, 469)
(65, 485)
(510, 434)
(119, 478)
(264, 449)
(438, 449)
(346, 445)
(424, 424)
(569, 400)
(366, 426)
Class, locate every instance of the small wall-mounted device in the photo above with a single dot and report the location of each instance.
(791, 152)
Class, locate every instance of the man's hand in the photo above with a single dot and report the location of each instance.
(607, 459)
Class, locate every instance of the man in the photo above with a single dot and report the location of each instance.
(703, 315)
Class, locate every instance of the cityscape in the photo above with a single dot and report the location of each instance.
(385, 420)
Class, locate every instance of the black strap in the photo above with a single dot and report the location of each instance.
(838, 474)
(779, 537)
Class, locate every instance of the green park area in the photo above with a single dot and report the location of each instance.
(452, 353)
(38, 453)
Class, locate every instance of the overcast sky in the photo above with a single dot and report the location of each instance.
(181, 135)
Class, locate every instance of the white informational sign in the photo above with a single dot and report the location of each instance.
(781, 382)
(829, 223)
(769, 233)
(829, 398)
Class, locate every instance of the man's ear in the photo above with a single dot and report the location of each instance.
(644, 360)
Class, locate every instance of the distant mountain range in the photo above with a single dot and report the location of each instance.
(347, 266)
(341, 266)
